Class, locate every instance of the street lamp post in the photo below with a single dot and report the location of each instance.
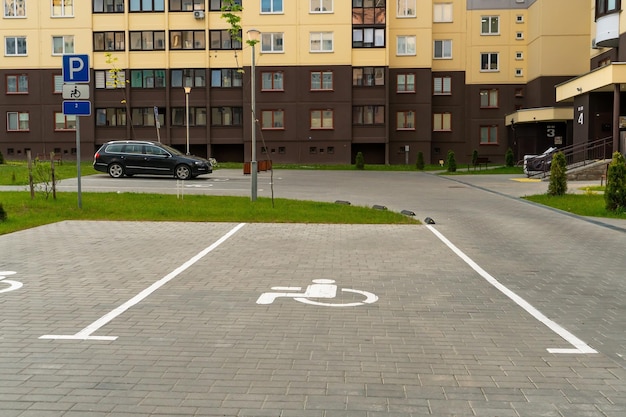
(253, 38)
(187, 91)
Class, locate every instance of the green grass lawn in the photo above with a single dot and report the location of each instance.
(16, 172)
(589, 204)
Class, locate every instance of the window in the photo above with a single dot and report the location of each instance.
(226, 78)
(14, 8)
(368, 37)
(519, 35)
(57, 84)
(321, 6)
(144, 116)
(321, 42)
(321, 80)
(108, 6)
(17, 121)
(273, 119)
(147, 40)
(62, 8)
(406, 8)
(197, 116)
(271, 6)
(188, 39)
(489, 61)
(405, 120)
(272, 81)
(604, 7)
(368, 12)
(322, 119)
(442, 86)
(519, 55)
(188, 77)
(406, 45)
(217, 5)
(62, 45)
(146, 5)
(489, 98)
(368, 76)
(443, 49)
(405, 83)
(488, 135)
(111, 116)
(109, 79)
(221, 40)
(227, 116)
(17, 84)
(187, 5)
(519, 18)
(64, 122)
(442, 12)
(148, 78)
(368, 115)
(490, 25)
(108, 41)
(442, 122)
(519, 72)
(272, 42)
(15, 46)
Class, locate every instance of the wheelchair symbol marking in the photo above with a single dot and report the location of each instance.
(321, 288)
(75, 93)
(13, 285)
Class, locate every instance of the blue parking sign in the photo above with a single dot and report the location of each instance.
(75, 68)
(77, 108)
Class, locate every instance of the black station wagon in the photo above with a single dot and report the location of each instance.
(133, 157)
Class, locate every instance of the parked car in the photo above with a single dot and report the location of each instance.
(134, 157)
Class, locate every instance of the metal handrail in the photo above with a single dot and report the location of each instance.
(579, 154)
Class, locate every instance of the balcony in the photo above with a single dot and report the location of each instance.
(607, 31)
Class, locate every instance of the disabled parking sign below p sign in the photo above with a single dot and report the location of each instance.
(324, 289)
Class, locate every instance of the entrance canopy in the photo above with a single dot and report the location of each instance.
(540, 114)
(602, 79)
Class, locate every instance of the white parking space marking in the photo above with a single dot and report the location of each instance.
(579, 345)
(86, 333)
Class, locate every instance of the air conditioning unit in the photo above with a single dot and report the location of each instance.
(198, 14)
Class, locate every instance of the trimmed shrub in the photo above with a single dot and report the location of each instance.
(3, 213)
(615, 192)
(558, 175)
(509, 159)
(451, 162)
(1, 158)
(360, 161)
(420, 161)
(474, 158)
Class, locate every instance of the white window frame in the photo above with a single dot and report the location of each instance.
(489, 32)
(15, 40)
(443, 13)
(519, 55)
(276, 6)
(446, 49)
(273, 38)
(62, 4)
(19, 118)
(519, 72)
(406, 8)
(404, 47)
(17, 9)
(519, 35)
(321, 6)
(519, 18)
(489, 55)
(322, 39)
(68, 44)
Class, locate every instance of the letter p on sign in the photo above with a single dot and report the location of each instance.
(75, 68)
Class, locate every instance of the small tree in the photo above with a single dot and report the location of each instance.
(451, 162)
(1, 158)
(474, 158)
(558, 175)
(3, 213)
(420, 161)
(360, 161)
(509, 159)
(615, 192)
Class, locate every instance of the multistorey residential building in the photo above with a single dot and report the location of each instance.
(389, 78)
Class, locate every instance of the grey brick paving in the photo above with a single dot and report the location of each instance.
(439, 341)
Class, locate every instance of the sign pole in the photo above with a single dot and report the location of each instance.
(80, 197)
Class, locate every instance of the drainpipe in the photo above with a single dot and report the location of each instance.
(616, 104)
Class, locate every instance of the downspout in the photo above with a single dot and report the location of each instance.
(616, 112)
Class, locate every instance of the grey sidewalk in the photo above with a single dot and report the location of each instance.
(440, 340)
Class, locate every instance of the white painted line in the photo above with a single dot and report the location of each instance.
(85, 334)
(579, 345)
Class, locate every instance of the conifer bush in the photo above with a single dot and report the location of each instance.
(558, 175)
(420, 161)
(509, 158)
(360, 161)
(615, 192)
(451, 162)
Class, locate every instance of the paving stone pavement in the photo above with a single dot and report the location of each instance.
(439, 340)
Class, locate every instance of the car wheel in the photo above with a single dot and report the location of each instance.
(182, 172)
(116, 170)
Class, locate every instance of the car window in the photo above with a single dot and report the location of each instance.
(155, 150)
(133, 148)
(115, 148)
